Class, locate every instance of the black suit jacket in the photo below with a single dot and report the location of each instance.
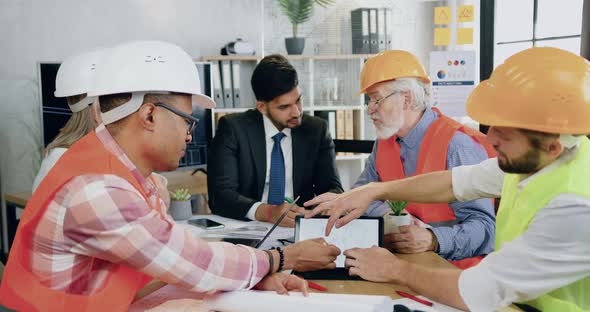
(237, 163)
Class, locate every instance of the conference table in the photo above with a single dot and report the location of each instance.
(174, 299)
(158, 296)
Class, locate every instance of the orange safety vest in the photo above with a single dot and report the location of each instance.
(21, 289)
(432, 157)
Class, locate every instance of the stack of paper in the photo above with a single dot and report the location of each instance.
(260, 301)
(172, 298)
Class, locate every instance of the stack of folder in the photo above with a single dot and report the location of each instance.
(231, 83)
(371, 30)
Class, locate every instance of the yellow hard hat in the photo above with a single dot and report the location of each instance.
(389, 65)
(543, 89)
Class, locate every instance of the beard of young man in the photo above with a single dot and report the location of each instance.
(525, 164)
(290, 123)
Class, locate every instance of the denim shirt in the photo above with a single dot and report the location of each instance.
(474, 231)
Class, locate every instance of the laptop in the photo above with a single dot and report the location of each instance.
(363, 232)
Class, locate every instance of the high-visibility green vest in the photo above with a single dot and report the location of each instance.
(517, 210)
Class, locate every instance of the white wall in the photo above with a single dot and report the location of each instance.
(33, 31)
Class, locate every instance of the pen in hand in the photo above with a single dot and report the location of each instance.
(289, 219)
(276, 224)
(290, 200)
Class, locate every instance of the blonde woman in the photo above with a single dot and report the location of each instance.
(79, 124)
(74, 79)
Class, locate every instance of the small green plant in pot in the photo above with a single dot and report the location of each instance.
(397, 206)
(299, 12)
(180, 204)
(180, 195)
(397, 216)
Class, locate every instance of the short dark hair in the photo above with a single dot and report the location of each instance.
(111, 101)
(273, 77)
(538, 138)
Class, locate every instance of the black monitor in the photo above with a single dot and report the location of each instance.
(56, 113)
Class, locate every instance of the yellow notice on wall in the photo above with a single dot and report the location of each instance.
(465, 13)
(442, 36)
(442, 15)
(465, 35)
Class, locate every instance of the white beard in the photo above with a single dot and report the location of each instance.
(386, 131)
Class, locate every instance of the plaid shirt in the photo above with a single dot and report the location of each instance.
(96, 222)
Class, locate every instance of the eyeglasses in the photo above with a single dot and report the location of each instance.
(379, 101)
(191, 122)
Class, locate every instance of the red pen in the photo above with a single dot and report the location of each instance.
(316, 286)
(406, 295)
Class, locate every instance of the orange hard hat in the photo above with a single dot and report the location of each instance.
(389, 65)
(542, 89)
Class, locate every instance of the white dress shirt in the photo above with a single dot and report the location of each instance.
(553, 252)
(286, 145)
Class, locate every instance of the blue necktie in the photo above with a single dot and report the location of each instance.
(276, 188)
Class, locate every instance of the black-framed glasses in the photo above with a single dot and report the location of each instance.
(379, 101)
(191, 122)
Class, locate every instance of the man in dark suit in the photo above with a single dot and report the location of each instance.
(249, 175)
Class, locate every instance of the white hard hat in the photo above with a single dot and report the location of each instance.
(141, 67)
(75, 76)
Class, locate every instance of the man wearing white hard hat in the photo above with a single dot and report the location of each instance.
(93, 233)
(75, 78)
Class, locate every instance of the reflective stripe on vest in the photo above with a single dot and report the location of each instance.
(518, 209)
(432, 157)
(21, 289)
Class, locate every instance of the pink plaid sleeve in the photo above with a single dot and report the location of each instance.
(108, 219)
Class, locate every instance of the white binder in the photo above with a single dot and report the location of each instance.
(235, 86)
(217, 87)
(226, 82)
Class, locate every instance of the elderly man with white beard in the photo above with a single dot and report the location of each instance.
(413, 138)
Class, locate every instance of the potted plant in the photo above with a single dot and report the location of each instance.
(298, 12)
(397, 216)
(180, 204)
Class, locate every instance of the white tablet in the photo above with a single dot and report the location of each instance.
(363, 232)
